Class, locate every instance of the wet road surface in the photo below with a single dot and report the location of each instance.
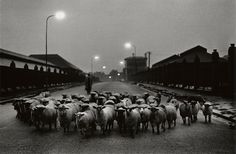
(18, 137)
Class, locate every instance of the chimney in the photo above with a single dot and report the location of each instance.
(214, 50)
(232, 45)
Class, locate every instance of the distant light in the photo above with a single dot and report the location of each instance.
(104, 67)
(109, 77)
(96, 57)
(121, 62)
(128, 45)
(118, 74)
(60, 15)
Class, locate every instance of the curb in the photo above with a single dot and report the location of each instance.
(222, 116)
(10, 100)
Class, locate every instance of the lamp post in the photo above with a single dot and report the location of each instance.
(59, 15)
(92, 60)
(129, 45)
(124, 70)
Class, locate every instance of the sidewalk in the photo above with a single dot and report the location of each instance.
(222, 107)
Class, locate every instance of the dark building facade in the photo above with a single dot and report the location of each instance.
(18, 72)
(194, 68)
(134, 65)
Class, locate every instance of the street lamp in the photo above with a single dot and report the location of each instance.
(59, 15)
(92, 60)
(129, 45)
(104, 67)
(122, 63)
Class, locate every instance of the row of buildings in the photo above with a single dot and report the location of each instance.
(19, 71)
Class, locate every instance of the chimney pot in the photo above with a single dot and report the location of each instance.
(232, 45)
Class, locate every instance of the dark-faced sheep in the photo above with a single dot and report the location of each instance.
(185, 110)
(195, 109)
(133, 120)
(157, 118)
(67, 114)
(207, 111)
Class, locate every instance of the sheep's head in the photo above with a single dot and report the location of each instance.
(193, 102)
(79, 114)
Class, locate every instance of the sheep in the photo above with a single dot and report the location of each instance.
(140, 101)
(207, 111)
(158, 116)
(120, 118)
(101, 100)
(185, 110)
(133, 119)
(126, 102)
(118, 97)
(86, 121)
(105, 116)
(171, 114)
(145, 113)
(67, 114)
(93, 97)
(20, 107)
(195, 109)
(174, 102)
(47, 114)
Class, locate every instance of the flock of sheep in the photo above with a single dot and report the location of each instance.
(102, 109)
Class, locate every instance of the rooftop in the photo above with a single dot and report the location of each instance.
(56, 59)
(17, 56)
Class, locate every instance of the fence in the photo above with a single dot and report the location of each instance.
(214, 75)
(18, 77)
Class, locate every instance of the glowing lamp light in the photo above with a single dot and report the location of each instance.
(121, 62)
(96, 57)
(60, 15)
(128, 45)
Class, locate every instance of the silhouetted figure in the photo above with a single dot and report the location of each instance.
(88, 83)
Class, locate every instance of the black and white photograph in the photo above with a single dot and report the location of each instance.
(117, 76)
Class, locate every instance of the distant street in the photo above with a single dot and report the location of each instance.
(17, 137)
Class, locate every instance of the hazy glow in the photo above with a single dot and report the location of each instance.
(96, 57)
(128, 45)
(109, 77)
(122, 63)
(118, 74)
(104, 67)
(60, 15)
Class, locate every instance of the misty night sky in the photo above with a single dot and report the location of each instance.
(101, 27)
